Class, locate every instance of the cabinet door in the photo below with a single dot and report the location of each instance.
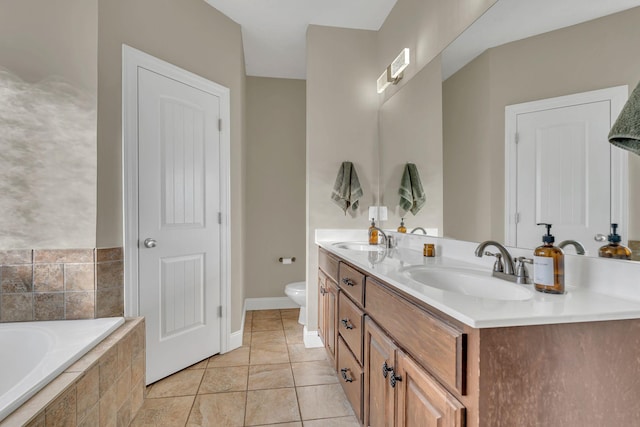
(331, 331)
(322, 292)
(422, 401)
(379, 360)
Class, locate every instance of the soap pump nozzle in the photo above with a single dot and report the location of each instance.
(614, 237)
(547, 238)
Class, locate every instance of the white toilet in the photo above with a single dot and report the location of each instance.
(297, 291)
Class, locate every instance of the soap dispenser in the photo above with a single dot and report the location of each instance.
(548, 265)
(402, 228)
(373, 233)
(614, 249)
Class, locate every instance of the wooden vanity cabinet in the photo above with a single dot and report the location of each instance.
(399, 392)
(350, 333)
(383, 383)
(379, 357)
(579, 374)
(350, 325)
(328, 303)
(435, 344)
(331, 323)
(322, 292)
(350, 375)
(351, 282)
(421, 400)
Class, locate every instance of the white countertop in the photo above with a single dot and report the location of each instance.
(578, 304)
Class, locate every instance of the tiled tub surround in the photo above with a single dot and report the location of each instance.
(104, 388)
(40, 351)
(61, 284)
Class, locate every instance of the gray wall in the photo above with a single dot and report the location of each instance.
(275, 180)
(194, 36)
(48, 80)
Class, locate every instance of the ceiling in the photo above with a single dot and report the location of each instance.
(274, 31)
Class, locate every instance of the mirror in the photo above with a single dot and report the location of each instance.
(562, 61)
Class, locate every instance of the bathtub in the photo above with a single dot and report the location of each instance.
(34, 353)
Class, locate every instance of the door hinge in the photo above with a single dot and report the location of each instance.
(219, 217)
(516, 138)
(220, 125)
(517, 217)
(219, 311)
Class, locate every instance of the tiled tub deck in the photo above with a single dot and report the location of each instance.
(104, 388)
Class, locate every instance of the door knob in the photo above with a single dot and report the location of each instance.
(150, 243)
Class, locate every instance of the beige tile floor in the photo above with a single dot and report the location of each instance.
(272, 380)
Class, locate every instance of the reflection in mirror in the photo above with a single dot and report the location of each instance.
(411, 131)
(580, 58)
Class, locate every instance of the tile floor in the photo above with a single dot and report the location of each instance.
(272, 380)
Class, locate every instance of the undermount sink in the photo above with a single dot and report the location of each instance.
(468, 282)
(359, 246)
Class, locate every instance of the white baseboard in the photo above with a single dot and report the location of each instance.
(235, 339)
(311, 339)
(273, 303)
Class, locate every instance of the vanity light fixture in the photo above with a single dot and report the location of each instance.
(393, 73)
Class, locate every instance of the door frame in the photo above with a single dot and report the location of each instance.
(132, 59)
(617, 96)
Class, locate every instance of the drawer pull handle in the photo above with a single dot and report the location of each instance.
(348, 282)
(347, 324)
(386, 369)
(394, 378)
(344, 375)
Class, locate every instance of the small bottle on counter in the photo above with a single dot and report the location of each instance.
(614, 249)
(373, 233)
(429, 250)
(402, 228)
(548, 265)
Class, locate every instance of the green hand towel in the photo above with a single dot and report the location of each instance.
(412, 196)
(347, 191)
(625, 132)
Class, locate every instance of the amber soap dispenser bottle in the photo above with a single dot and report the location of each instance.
(614, 249)
(548, 265)
(402, 228)
(373, 233)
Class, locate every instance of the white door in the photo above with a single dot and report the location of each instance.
(179, 233)
(563, 173)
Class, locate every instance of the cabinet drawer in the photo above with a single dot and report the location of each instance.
(351, 376)
(435, 345)
(350, 322)
(328, 264)
(352, 282)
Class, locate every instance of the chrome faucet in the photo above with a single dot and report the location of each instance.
(508, 261)
(419, 229)
(385, 238)
(579, 248)
(508, 270)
